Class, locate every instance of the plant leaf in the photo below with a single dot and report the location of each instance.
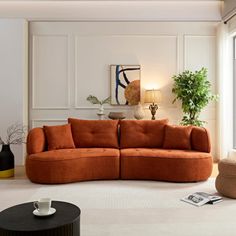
(93, 99)
(106, 101)
(194, 91)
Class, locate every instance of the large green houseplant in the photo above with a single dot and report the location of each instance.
(194, 91)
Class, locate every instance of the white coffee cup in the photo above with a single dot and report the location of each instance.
(43, 205)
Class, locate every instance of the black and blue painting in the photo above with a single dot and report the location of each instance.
(125, 84)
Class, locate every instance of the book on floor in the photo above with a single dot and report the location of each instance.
(201, 198)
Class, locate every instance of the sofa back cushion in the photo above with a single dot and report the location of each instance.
(94, 133)
(177, 137)
(200, 139)
(36, 141)
(142, 133)
(59, 137)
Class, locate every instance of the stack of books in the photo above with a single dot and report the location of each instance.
(201, 198)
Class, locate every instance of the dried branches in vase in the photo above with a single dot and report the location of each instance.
(16, 134)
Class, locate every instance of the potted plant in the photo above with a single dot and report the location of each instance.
(95, 100)
(15, 135)
(194, 91)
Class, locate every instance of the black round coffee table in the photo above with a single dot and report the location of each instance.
(20, 221)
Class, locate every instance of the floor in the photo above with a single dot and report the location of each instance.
(19, 173)
(133, 208)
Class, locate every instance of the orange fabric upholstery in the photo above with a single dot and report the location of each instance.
(141, 156)
(36, 141)
(200, 139)
(177, 137)
(94, 133)
(142, 133)
(71, 165)
(168, 165)
(59, 137)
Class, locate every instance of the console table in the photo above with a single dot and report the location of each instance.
(20, 221)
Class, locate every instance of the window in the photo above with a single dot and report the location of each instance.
(234, 93)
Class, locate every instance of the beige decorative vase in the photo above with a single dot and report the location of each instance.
(139, 113)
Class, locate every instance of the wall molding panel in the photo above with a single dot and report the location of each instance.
(39, 70)
(189, 37)
(41, 122)
(75, 62)
(151, 44)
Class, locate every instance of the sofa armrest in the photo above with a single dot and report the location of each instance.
(200, 139)
(36, 141)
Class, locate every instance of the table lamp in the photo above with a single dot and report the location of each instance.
(153, 96)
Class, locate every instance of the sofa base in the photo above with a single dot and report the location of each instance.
(72, 165)
(165, 165)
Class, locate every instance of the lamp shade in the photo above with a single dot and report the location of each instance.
(152, 96)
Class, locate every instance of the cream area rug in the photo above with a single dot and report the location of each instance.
(132, 208)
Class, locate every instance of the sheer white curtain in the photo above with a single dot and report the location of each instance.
(225, 91)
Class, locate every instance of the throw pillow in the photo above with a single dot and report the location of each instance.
(177, 137)
(59, 137)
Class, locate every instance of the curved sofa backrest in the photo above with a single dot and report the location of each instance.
(200, 139)
(36, 141)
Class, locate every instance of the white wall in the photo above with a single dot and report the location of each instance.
(13, 43)
(229, 7)
(13, 76)
(125, 10)
(71, 60)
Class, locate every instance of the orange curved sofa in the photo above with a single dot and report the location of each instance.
(145, 150)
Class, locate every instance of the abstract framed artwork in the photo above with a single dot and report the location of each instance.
(125, 84)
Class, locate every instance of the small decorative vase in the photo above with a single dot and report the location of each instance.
(101, 116)
(101, 113)
(6, 162)
(101, 110)
(139, 112)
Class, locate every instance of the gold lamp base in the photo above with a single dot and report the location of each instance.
(153, 108)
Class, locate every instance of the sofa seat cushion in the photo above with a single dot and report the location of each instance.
(164, 153)
(164, 164)
(71, 165)
(70, 154)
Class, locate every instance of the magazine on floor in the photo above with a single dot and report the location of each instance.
(201, 198)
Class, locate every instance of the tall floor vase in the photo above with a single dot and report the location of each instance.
(6, 162)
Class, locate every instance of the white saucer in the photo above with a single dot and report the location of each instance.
(50, 212)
